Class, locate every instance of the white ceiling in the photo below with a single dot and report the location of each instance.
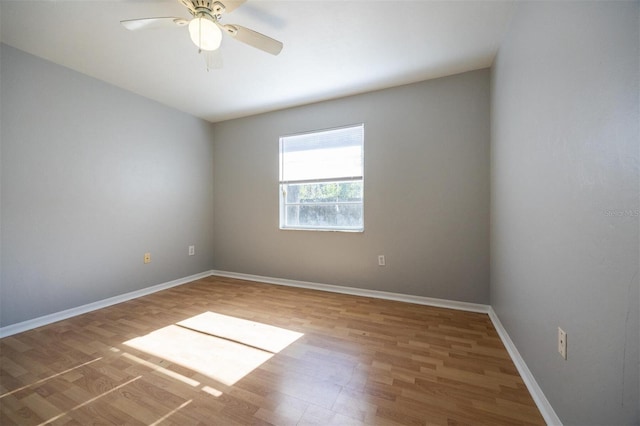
(331, 48)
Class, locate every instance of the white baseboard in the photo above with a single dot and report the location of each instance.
(59, 316)
(419, 300)
(541, 401)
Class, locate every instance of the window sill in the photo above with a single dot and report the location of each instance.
(352, 231)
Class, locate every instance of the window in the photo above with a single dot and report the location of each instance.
(321, 180)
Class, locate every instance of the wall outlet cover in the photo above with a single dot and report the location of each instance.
(562, 343)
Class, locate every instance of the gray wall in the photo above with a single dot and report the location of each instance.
(564, 210)
(92, 177)
(426, 193)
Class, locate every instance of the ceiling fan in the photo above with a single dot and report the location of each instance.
(205, 27)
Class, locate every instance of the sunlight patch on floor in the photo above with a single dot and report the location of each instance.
(162, 370)
(221, 347)
(258, 335)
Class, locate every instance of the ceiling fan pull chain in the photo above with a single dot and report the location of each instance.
(199, 37)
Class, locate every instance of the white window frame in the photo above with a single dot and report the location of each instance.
(283, 183)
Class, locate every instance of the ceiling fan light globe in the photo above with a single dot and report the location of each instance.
(205, 33)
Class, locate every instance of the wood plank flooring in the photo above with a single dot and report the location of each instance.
(221, 351)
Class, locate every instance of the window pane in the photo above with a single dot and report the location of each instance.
(331, 192)
(325, 216)
(323, 155)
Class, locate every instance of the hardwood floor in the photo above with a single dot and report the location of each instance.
(222, 351)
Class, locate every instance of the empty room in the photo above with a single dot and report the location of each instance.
(301, 212)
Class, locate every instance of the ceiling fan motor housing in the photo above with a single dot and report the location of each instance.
(210, 6)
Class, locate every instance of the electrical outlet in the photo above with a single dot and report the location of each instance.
(147, 258)
(192, 250)
(562, 343)
(381, 261)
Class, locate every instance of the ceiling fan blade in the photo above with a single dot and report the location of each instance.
(152, 23)
(253, 38)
